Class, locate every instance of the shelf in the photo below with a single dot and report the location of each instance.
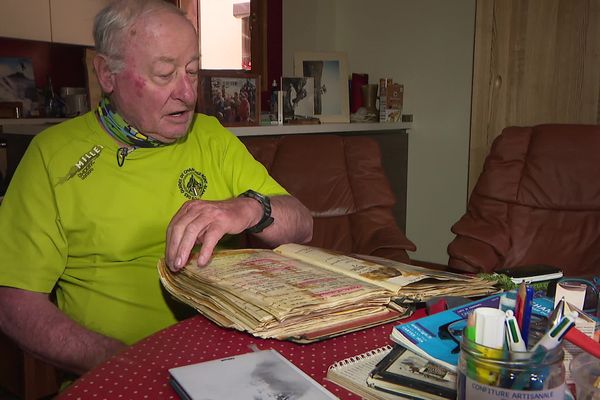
(27, 126)
(265, 130)
(31, 121)
(32, 126)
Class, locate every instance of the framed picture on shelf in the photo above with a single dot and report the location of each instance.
(233, 97)
(330, 73)
(17, 84)
(298, 98)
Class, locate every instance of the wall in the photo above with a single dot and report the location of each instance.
(428, 46)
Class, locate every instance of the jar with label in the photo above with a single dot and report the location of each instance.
(486, 373)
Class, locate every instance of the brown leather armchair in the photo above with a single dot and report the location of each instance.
(342, 182)
(537, 201)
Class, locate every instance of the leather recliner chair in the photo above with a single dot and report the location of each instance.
(340, 179)
(537, 201)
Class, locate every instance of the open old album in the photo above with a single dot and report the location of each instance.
(304, 293)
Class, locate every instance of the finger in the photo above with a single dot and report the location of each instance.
(170, 248)
(192, 234)
(209, 242)
(183, 233)
(191, 211)
(175, 231)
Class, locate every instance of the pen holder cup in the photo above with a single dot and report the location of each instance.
(487, 373)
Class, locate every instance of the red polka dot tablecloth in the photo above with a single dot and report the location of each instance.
(141, 372)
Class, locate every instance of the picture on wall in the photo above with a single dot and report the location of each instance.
(330, 73)
(17, 82)
(232, 97)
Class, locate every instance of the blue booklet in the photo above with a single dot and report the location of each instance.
(437, 337)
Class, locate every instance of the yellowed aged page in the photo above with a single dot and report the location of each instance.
(280, 284)
(410, 282)
(390, 278)
(270, 294)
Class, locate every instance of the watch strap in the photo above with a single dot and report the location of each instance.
(265, 202)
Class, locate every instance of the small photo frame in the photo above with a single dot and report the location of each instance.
(330, 73)
(233, 97)
(298, 98)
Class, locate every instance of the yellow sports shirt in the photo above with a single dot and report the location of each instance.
(74, 221)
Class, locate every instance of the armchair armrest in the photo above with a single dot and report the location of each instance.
(472, 255)
(375, 233)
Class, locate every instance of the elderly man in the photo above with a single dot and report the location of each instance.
(85, 218)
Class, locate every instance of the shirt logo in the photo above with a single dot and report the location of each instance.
(192, 183)
(85, 165)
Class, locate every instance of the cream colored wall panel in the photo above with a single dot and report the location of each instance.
(25, 19)
(428, 46)
(73, 20)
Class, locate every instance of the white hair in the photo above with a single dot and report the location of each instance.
(115, 19)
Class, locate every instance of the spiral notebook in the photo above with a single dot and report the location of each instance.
(352, 373)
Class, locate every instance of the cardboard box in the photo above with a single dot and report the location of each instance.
(395, 99)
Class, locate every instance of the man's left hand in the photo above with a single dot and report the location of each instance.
(205, 222)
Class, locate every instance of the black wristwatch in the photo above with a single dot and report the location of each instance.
(264, 201)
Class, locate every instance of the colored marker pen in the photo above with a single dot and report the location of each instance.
(554, 336)
(513, 334)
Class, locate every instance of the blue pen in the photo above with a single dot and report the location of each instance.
(526, 313)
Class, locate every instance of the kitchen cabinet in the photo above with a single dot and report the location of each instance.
(59, 21)
(73, 20)
(25, 20)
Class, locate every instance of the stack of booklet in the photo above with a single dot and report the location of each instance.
(437, 337)
(304, 294)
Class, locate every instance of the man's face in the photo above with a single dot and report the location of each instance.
(156, 91)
